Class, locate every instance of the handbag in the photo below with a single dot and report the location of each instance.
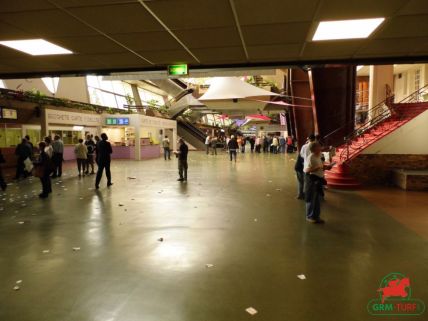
(28, 164)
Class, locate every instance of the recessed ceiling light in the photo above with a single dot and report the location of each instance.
(346, 29)
(36, 47)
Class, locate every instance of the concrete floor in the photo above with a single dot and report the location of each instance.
(242, 218)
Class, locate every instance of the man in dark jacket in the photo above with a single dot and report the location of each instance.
(182, 152)
(104, 152)
(233, 147)
(298, 167)
(22, 151)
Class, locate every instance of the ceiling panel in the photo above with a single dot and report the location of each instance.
(414, 7)
(8, 32)
(119, 60)
(387, 47)
(48, 23)
(274, 52)
(88, 3)
(213, 37)
(168, 56)
(328, 49)
(355, 9)
(88, 45)
(275, 33)
(274, 11)
(121, 18)
(405, 26)
(220, 55)
(24, 5)
(188, 14)
(145, 41)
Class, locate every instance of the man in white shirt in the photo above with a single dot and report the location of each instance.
(304, 151)
(166, 148)
(207, 143)
(314, 181)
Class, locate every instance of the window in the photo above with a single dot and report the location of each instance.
(149, 97)
(109, 93)
(69, 137)
(2, 85)
(10, 135)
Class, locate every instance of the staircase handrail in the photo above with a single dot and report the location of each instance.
(193, 129)
(415, 96)
(381, 112)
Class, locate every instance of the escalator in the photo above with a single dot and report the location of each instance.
(191, 134)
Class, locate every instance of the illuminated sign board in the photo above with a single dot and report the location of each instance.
(117, 121)
(178, 70)
(7, 113)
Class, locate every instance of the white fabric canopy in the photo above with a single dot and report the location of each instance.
(187, 101)
(232, 88)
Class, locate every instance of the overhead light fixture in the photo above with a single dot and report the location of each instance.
(36, 47)
(346, 29)
(78, 128)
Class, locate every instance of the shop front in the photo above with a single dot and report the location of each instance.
(138, 136)
(71, 126)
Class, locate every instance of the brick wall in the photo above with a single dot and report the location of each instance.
(376, 169)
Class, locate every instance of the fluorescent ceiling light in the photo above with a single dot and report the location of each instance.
(36, 47)
(346, 29)
(78, 128)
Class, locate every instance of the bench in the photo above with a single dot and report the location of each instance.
(411, 180)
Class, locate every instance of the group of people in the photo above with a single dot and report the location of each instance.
(50, 156)
(310, 166)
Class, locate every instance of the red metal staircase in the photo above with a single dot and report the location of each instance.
(384, 118)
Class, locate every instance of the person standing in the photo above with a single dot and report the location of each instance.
(252, 143)
(48, 148)
(243, 142)
(104, 152)
(233, 148)
(57, 157)
(258, 144)
(282, 144)
(300, 175)
(314, 182)
(43, 167)
(97, 140)
(207, 143)
(275, 145)
(90, 145)
(31, 145)
(182, 152)
(304, 151)
(214, 145)
(3, 184)
(81, 152)
(22, 152)
(166, 148)
(265, 141)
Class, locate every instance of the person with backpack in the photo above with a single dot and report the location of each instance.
(90, 146)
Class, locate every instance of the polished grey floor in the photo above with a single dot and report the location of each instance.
(242, 218)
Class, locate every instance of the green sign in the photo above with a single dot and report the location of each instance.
(117, 121)
(178, 70)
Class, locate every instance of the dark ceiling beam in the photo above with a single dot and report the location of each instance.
(275, 64)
